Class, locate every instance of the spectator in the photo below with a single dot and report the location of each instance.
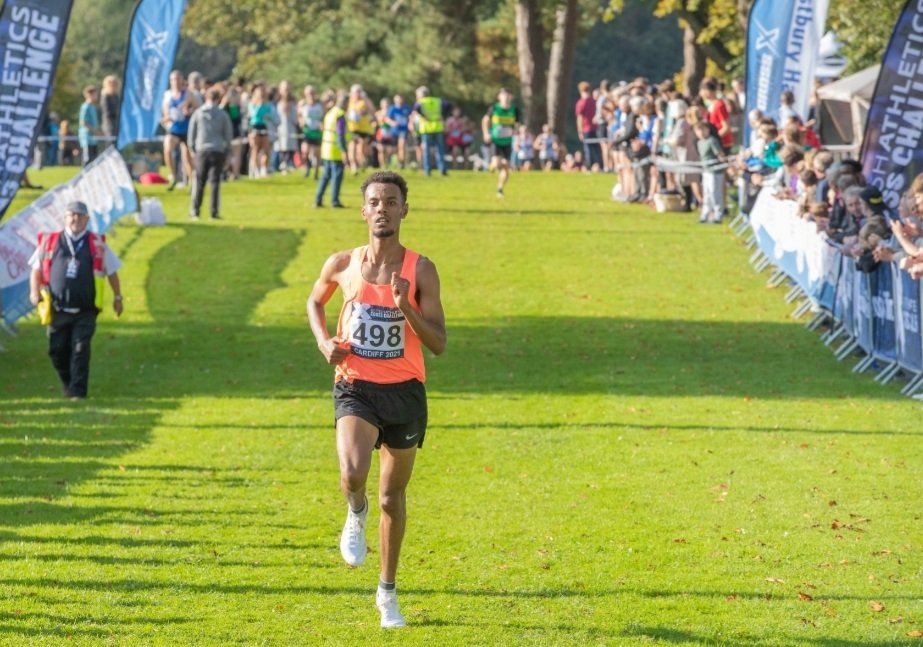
(846, 212)
(548, 147)
(455, 138)
(176, 108)
(711, 153)
(585, 111)
(787, 107)
(109, 105)
(431, 112)
(311, 120)
(718, 114)
(287, 131)
(210, 133)
(231, 103)
(359, 122)
(88, 129)
(259, 118)
(399, 119)
(820, 164)
(53, 132)
(525, 148)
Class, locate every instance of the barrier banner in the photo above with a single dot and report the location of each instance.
(152, 45)
(783, 39)
(792, 244)
(891, 152)
(830, 266)
(908, 326)
(104, 185)
(881, 290)
(844, 308)
(862, 312)
(31, 36)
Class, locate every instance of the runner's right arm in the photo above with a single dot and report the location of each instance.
(323, 289)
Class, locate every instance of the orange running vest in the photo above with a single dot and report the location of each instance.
(383, 347)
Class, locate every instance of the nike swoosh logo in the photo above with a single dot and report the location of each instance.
(411, 436)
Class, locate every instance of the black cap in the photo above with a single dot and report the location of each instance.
(873, 198)
(78, 207)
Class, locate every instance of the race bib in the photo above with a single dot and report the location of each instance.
(504, 132)
(72, 266)
(376, 332)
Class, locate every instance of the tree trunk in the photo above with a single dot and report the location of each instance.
(714, 49)
(561, 64)
(693, 63)
(531, 50)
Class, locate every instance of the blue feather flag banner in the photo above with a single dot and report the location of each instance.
(152, 44)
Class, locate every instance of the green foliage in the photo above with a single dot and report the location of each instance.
(622, 450)
(94, 47)
(864, 26)
(654, 47)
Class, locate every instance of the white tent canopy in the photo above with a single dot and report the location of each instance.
(844, 107)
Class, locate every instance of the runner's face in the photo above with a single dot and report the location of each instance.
(76, 223)
(383, 209)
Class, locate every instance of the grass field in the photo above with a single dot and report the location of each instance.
(630, 443)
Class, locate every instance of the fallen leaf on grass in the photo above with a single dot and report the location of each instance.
(731, 598)
(896, 621)
(804, 597)
(916, 633)
(775, 580)
(680, 540)
(877, 607)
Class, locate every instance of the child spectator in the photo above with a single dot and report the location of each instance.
(711, 154)
(524, 146)
(548, 148)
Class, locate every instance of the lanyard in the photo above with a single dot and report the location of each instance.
(70, 244)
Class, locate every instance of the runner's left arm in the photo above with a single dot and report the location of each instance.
(429, 323)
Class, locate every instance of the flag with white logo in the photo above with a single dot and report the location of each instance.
(783, 39)
(151, 49)
(892, 154)
(31, 36)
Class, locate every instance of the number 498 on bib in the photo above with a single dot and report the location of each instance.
(376, 332)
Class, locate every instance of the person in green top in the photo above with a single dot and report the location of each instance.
(498, 126)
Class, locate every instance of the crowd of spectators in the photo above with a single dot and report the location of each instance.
(634, 130)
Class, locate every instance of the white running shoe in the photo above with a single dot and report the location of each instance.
(386, 601)
(352, 541)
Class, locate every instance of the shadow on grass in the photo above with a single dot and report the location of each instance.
(585, 426)
(204, 280)
(622, 356)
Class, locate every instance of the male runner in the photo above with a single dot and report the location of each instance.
(391, 308)
(498, 126)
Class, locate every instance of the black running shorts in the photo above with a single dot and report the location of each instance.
(502, 150)
(398, 410)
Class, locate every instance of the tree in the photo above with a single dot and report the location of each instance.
(545, 92)
(865, 27)
(712, 29)
(561, 63)
(530, 39)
